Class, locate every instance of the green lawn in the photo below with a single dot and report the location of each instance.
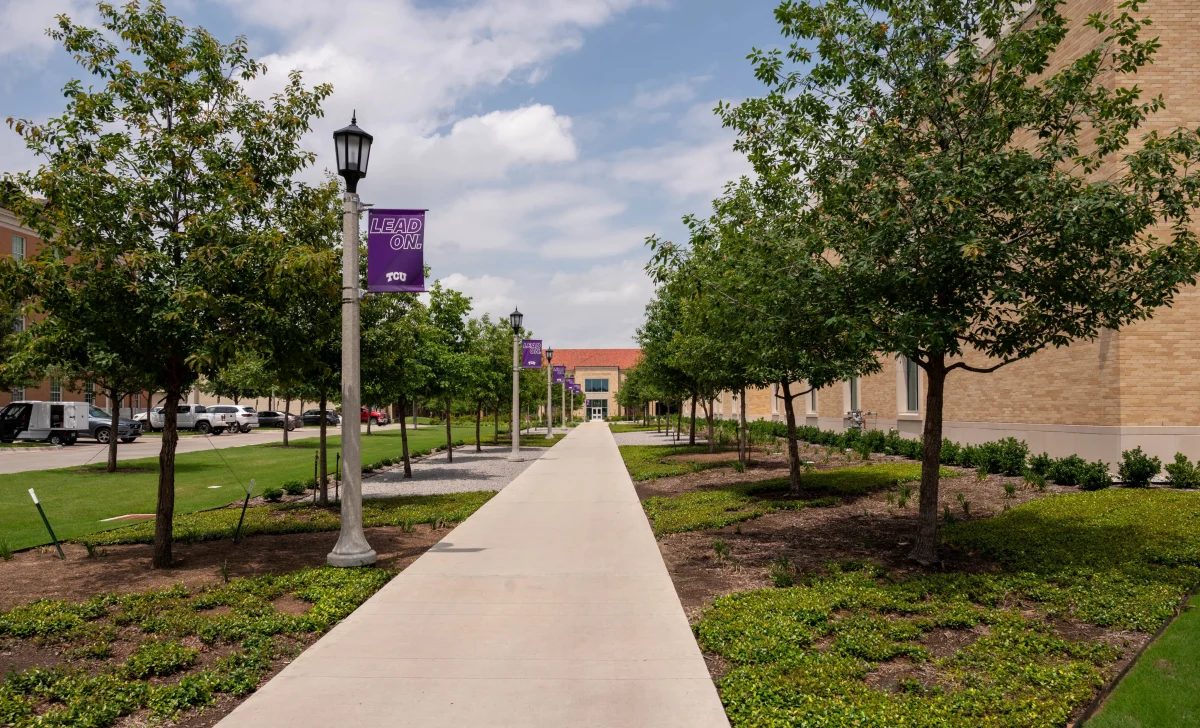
(1163, 688)
(1119, 558)
(714, 508)
(646, 462)
(76, 501)
(623, 427)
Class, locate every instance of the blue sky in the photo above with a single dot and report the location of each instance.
(547, 137)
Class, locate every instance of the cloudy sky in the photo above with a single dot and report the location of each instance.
(548, 138)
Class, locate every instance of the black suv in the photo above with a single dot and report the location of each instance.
(313, 417)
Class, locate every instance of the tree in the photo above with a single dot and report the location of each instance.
(158, 178)
(986, 206)
(448, 352)
(15, 289)
(246, 376)
(491, 367)
(764, 286)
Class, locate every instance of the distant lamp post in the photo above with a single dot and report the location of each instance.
(514, 319)
(549, 395)
(353, 147)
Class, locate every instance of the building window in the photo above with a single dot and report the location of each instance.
(774, 399)
(812, 401)
(55, 390)
(19, 325)
(18, 248)
(595, 385)
(912, 385)
(18, 394)
(89, 393)
(854, 394)
(137, 400)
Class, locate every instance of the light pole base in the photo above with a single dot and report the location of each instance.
(516, 458)
(349, 561)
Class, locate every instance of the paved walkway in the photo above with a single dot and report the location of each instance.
(470, 471)
(549, 608)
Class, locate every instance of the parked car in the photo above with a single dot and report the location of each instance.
(195, 417)
(144, 419)
(271, 418)
(99, 426)
(241, 417)
(57, 423)
(375, 416)
(313, 417)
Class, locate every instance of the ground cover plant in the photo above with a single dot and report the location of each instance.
(619, 427)
(718, 507)
(77, 499)
(165, 652)
(647, 462)
(1062, 588)
(435, 510)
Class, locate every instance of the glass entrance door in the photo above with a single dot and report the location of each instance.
(597, 409)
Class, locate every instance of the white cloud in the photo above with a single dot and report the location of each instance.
(696, 166)
(489, 294)
(486, 147)
(23, 25)
(680, 92)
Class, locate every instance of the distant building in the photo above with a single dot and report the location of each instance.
(600, 373)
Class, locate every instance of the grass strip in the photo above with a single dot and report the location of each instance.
(646, 462)
(1163, 688)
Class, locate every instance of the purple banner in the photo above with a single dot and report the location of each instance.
(531, 354)
(570, 381)
(559, 374)
(396, 251)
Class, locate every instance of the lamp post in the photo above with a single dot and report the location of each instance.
(514, 319)
(563, 393)
(353, 152)
(549, 395)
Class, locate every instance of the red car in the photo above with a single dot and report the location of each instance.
(376, 417)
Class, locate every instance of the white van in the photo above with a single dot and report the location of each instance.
(57, 423)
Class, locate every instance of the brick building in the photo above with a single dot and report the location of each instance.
(1136, 387)
(599, 372)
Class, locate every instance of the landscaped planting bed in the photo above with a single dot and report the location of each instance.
(815, 617)
(158, 654)
(404, 511)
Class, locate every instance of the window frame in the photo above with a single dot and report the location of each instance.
(55, 390)
(587, 386)
(24, 247)
(912, 386)
(853, 394)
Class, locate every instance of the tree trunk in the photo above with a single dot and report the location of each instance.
(789, 408)
(324, 484)
(925, 549)
(449, 442)
(657, 419)
(692, 427)
(679, 421)
(369, 409)
(496, 425)
(712, 440)
(287, 420)
(164, 512)
(416, 426)
(404, 442)
(114, 398)
(478, 419)
(742, 454)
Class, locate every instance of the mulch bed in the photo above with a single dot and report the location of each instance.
(39, 574)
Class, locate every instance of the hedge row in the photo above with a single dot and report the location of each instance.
(1008, 456)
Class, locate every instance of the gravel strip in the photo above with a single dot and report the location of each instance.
(487, 470)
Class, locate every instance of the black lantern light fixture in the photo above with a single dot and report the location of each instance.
(549, 354)
(515, 318)
(353, 152)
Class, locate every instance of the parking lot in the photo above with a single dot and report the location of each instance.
(24, 459)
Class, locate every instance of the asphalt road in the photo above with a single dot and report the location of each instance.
(22, 459)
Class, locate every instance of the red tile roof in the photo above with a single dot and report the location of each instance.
(574, 358)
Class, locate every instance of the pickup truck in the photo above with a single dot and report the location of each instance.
(196, 417)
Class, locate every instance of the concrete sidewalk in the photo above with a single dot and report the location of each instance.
(550, 607)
